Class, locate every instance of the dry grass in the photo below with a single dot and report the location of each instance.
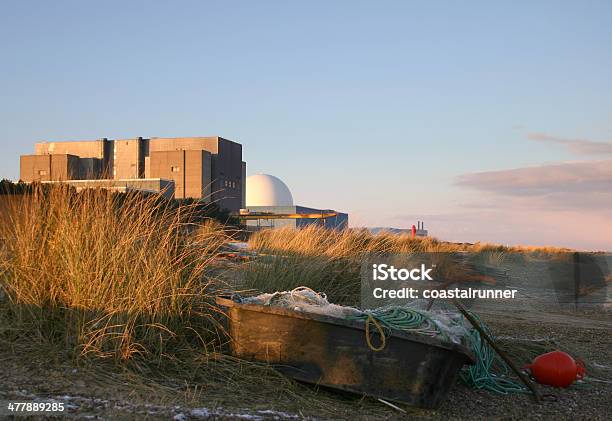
(315, 240)
(331, 261)
(106, 274)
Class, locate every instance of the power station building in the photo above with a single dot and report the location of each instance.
(269, 204)
(206, 168)
(210, 169)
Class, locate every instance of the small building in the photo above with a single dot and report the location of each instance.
(269, 204)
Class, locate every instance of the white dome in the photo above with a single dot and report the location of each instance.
(267, 190)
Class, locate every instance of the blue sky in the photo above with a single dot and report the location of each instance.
(391, 111)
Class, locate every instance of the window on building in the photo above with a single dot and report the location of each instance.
(175, 169)
(42, 172)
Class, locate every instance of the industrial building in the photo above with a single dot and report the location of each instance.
(149, 185)
(269, 204)
(206, 168)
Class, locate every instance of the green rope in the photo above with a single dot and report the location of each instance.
(490, 372)
(479, 376)
(397, 318)
(402, 318)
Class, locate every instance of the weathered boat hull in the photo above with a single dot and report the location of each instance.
(329, 351)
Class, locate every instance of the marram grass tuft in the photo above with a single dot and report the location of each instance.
(115, 275)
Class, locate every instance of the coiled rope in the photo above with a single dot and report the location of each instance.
(381, 332)
(387, 319)
(489, 372)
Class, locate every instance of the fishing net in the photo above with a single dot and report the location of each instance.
(303, 299)
(448, 325)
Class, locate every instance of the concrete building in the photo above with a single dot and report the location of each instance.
(190, 171)
(267, 196)
(128, 160)
(227, 168)
(150, 185)
(49, 167)
(207, 168)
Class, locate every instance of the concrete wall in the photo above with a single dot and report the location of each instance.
(88, 150)
(90, 168)
(227, 174)
(128, 159)
(108, 162)
(81, 148)
(170, 165)
(147, 164)
(209, 143)
(35, 167)
(189, 169)
(198, 174)
(243, 186)
(48, 167)
(153, 185)
(64, 167)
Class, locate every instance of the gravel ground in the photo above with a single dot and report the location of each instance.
(91, 396)
(588, 400)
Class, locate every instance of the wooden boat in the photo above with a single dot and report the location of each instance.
(329, 351)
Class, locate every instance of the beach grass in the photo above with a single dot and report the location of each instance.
(117, 276)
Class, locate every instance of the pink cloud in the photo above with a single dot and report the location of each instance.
(578, 146)
(575, 177)
(566, 204)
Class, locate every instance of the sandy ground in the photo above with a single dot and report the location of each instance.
(89, 394)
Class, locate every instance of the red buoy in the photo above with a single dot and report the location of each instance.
(556, 369)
